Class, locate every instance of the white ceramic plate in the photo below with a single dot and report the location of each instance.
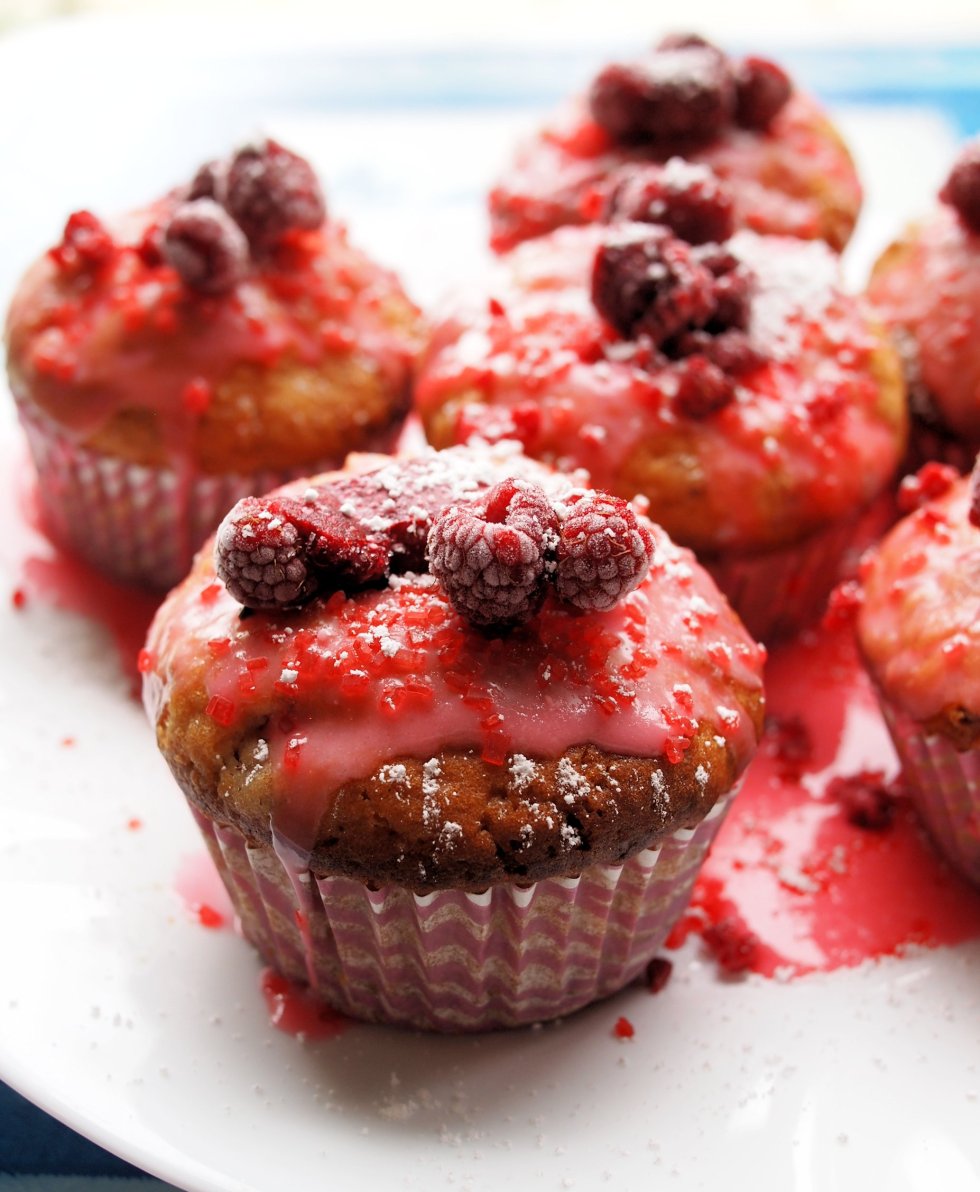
(125, 1018)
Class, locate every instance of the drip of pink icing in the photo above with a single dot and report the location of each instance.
(780, 178)
(919, 623)
(803, 444)
(202, 892)
(927, 287)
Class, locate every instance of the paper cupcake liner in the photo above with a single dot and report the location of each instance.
(453, 961)
(944, 784)
(136, 524)
(780, 592)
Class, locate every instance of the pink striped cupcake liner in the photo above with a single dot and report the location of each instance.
(944, 784)
(454, 961)
(136, 524)
(777, 593)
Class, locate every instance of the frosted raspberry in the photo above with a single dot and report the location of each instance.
(271, 190)
(975, 494)
(491, 555)
(762, 90)
(688, 198)
(85, 244)
(206, 247)
(277, 552)
(646, 281)
(962, 188)
(604, 551)
(682, 93)
(731, 351)
(702, 388)
(732, 286)
(210, 180)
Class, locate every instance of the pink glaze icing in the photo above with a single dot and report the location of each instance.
(927, 289)
(348, 683)
(783, 179)
(84, 344)
(919, 626)
(805, 424)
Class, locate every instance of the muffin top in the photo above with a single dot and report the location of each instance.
(926, 289)
(919, 623)
(245, 333)
(788, 169)
(735, 385)
(382, 734)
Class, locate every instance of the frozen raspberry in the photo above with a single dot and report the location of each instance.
(206, 247)
(686, 41)
(762, 90)
(688, 198)
(732, 286)
(975, 494)
(646, 281)
(209, 181)
(604, 551)
(85, 244)
(277, 552)
(491, 555)
(932, 480)
(702, 388)
(271, 190)
(684, 93)
(731, 351)
(962, 188)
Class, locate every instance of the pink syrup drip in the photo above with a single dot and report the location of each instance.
(791, 885)
(45, 573)
(293, 1010)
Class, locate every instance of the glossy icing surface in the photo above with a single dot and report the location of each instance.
(340, 687)
(129, 338)
(919, 625)
(805, 441)
(927, 288)
(796, 179)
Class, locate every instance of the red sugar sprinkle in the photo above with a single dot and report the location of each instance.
(658, 973)
(623, 1029)
(134, 824)
(219, 646)
(207, 916)
(68, 742)
(210, 593)
(293, 755)
(18, 598)
(196, 396)
(221, 710)
(145, 661)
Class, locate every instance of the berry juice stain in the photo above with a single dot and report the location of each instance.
(201, 890)
(822, 863)
(293, 1010)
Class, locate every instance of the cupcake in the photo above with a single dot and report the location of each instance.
(215, 344)
(919, 634)
(734, 386)
(782, 163)
(926, 289)
(457, 733)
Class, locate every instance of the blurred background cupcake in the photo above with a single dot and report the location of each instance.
(213, 344)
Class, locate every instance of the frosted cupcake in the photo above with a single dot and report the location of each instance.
(460, 763)
(919, 634)
(926, 289)
(735, 386)
(777, 153)
(214, 344)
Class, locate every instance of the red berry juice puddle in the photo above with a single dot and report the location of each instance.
(292, 1009)
(46, 573)
(792, 884)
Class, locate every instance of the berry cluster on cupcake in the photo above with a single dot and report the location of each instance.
(919, 633)
(214, 344)
(926, 289)
(724, 376)
(784, 164)
(461, 751)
